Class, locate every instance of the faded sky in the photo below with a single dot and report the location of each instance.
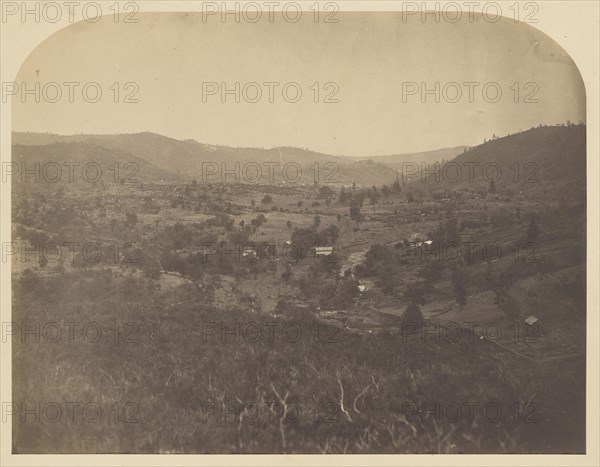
(368, 55)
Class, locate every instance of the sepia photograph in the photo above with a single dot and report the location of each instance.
(296, 228)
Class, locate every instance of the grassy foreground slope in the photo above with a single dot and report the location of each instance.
(174, 380)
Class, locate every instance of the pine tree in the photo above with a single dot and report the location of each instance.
(533, 230)
(396, 187)
(458, 284)
(412, 318)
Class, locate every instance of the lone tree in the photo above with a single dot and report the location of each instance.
(132, 219)
(326, 193)
(412, 319)
(258, 222)
(396, 186)
(355, 213)
(430, 274)
(287, 273)
(282, 306)
(267, 199)
(458, 284)
(532, 231)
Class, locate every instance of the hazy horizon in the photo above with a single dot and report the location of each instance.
(368, 55)
(359, 156)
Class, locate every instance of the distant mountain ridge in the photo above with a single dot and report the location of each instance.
(558, 152)
(397, 161)
(190, 159)
(114, 164)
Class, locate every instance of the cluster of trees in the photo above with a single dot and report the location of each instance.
(209, 200)
(325, 285)
(355, 212)
(150, 206)
(304, 239)
(386, 264)
(389, 266)
(217, 233)
(326, 193)
(224, 258)
(358, 196)
(180, 236)
(255, 224)
(446, 233)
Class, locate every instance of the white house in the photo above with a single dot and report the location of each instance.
(249, 252)
(323, 250)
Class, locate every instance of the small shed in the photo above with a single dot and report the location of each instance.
(249, 252)
(531, 320)
(323, 250)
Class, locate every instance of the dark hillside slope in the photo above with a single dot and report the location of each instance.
(544, 159)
